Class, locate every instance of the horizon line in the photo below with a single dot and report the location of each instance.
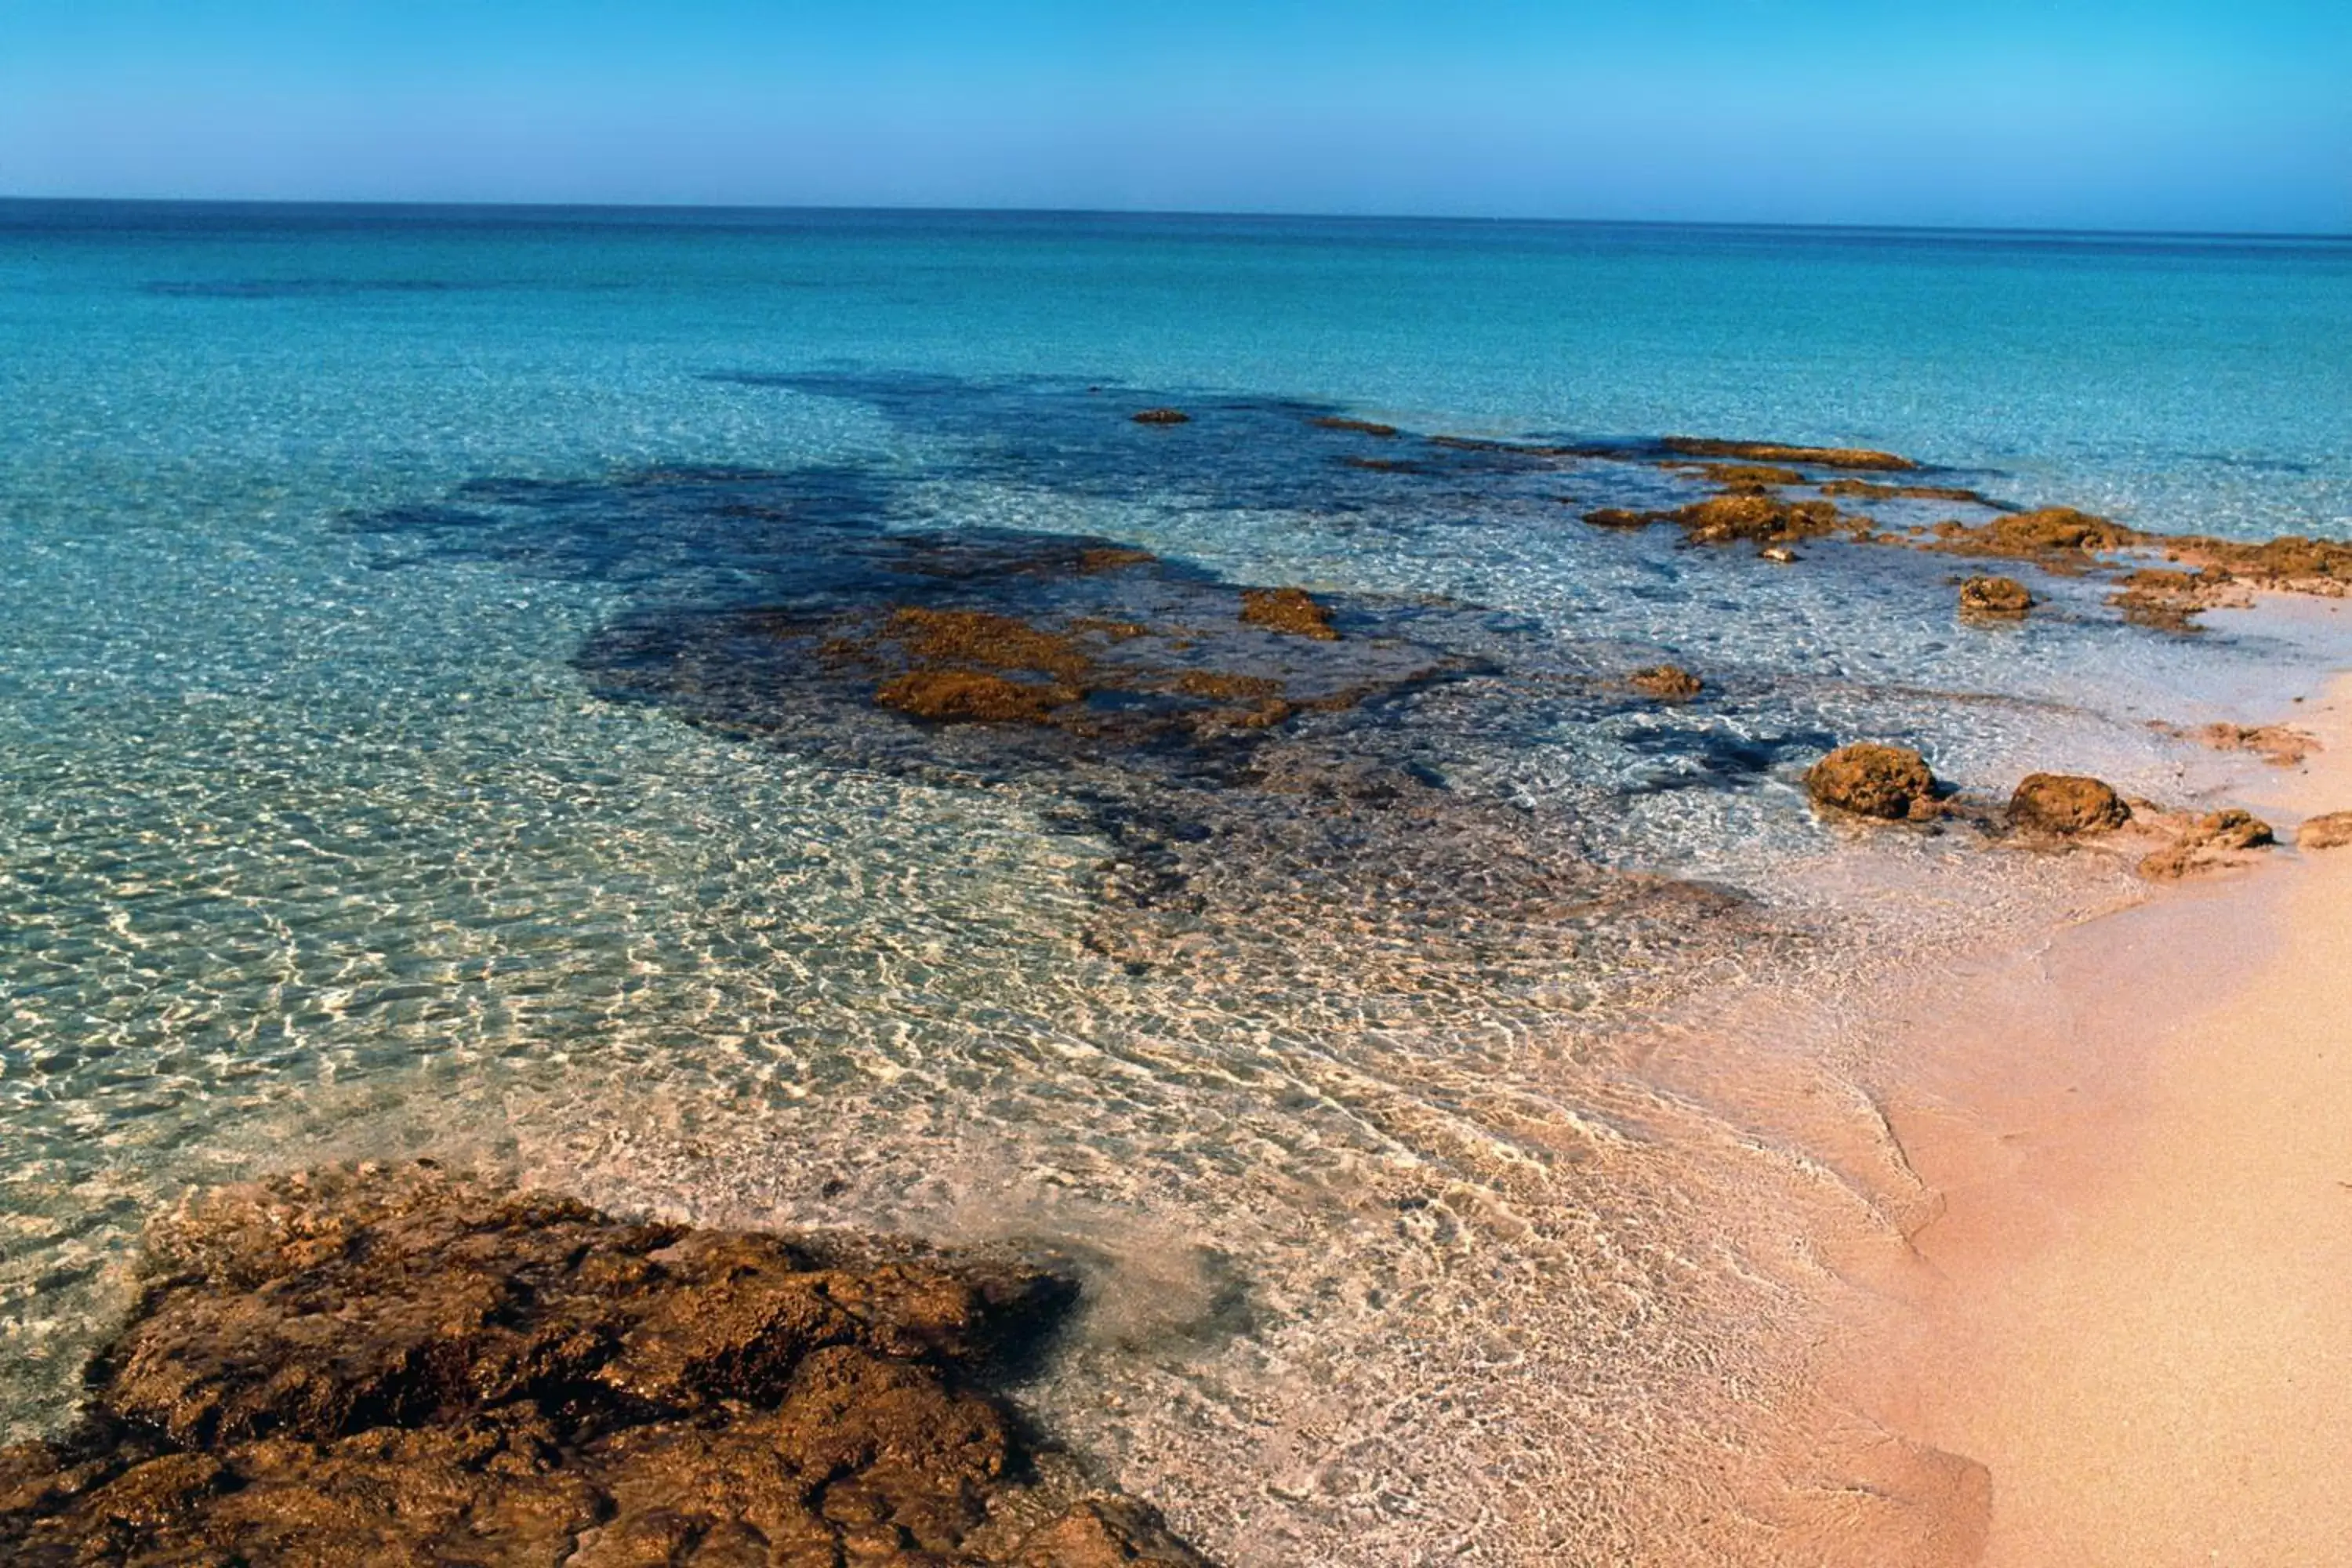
(922, 209)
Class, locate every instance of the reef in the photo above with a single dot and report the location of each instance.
(1995, 599)
(390, 1365)
(2065, 805)
(1360, 426)
(1868, 779)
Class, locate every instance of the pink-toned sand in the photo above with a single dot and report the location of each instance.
(2135, 1308)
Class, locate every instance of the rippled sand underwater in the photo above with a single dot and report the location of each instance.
(1370, 1057)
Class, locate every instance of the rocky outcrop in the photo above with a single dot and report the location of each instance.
(1160, 416)
(2065, 805)
(2053, 531)
(2211, 842)
(1867, 779)
(380, 1365)
(1666, 683)
(1995, 599)
(2332, 831)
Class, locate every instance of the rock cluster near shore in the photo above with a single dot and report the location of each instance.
(1751, 504)
(388, 1367)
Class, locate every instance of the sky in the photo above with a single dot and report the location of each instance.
(2210, 115)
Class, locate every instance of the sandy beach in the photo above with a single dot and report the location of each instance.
(2131, 1310)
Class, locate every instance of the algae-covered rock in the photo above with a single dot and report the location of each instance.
(1781, 452)
(1290, 610)
(1160, 416)
(2066, 805)
(387, 1366)
(1666, 683)
(1995, 598)
(1868, 779)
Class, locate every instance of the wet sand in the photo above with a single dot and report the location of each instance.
(2134, 1309)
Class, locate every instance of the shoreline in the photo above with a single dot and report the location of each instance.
(2128, 1307)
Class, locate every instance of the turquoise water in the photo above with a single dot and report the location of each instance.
(343, 809)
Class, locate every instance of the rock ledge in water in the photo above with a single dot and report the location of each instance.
(389, 1366)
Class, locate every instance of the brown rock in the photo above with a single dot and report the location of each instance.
(1748, 476)
(2055, 528)
(1737, 515)
(2213, 840)
(1867, 490)
(2278, 744)
(967, 695)
(2066, 805)
(1160, 416)
(1290, 610)
(2171, 601)
(1667, 682)
(1106, 1533)
(1872, 780)
(391, 1367)
(2332, 831)
(1995, 598)
(1779, 452)
(984, 639)
(1360, 426)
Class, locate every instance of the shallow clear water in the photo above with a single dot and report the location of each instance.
(335, 817)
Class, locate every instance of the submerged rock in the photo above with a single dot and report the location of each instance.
(1868, 779)
(951, 696)
(1995, 598)
(1667, 683)
(1735, 516)
(1291, 610)
(389, 1366)
(2332, 831)
(1780, 452)
(2066, 805)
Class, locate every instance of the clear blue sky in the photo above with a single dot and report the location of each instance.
(2153, 114)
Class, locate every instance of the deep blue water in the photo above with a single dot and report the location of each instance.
(382, 767)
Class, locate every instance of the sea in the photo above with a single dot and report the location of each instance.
(432, 725)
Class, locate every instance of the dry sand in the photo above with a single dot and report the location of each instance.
(2135, 1309)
